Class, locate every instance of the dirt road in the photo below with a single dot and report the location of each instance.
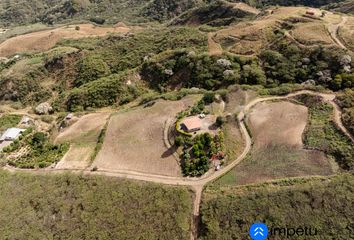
(333, 30)
(198, 183)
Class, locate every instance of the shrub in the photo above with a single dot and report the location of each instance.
(98, 20)
(47, 119)
(208, 97)
(220, 121)
(179, 141)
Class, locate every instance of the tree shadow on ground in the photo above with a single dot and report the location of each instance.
(169, 152)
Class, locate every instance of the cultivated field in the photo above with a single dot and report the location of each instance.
(277, 129)
(44, 40)
(134, 139)
(82, 136)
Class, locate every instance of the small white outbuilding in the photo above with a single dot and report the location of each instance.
(11, 134)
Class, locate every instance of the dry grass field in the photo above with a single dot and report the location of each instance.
(248, 38)
(234, 141)
(277, 123)
(82, 137)
(346, 33)
(214, 48)
(277, 129)
(312, 33)
(134, 139)
(44, 40)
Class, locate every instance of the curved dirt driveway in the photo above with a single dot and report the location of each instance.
(198, 183)
(333, 30)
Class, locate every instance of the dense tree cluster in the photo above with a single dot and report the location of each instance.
(201, 70)
(287, 63)
(198, 152)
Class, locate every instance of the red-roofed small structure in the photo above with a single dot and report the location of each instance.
(192, 124)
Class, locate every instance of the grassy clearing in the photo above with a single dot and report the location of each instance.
(323, 134)
(8, 121)
(233, 140)
(78, 207)
(22, 30)
(85, 137)
(274, 162)
(321, 203)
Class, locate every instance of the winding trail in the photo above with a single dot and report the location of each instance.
(198, 183)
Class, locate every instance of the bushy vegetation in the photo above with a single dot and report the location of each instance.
(217, 13)
(200, 70)
(161, 10)
(312, 3)
(100, 93)
(9, 121)
(287, 63)
(82, 207)
(320, 203)
(40, 152)
(345, 6)
(198, 151)
(346, 102)
(17, 12)
(323, 134)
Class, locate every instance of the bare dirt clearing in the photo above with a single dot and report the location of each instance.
(214, 48)
(278, 123)
(44, 40)
(277, 129)
(82, 137)
(134, 139)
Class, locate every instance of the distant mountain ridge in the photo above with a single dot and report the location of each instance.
(21, 12)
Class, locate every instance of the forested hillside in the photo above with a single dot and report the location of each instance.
(312, 3)
(15, 12)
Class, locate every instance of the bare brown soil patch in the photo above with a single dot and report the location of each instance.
(214, 48)
(134, 140)
(278, 123)
(44, 40)
(82, 136)
(237, 99)
(276, 129)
